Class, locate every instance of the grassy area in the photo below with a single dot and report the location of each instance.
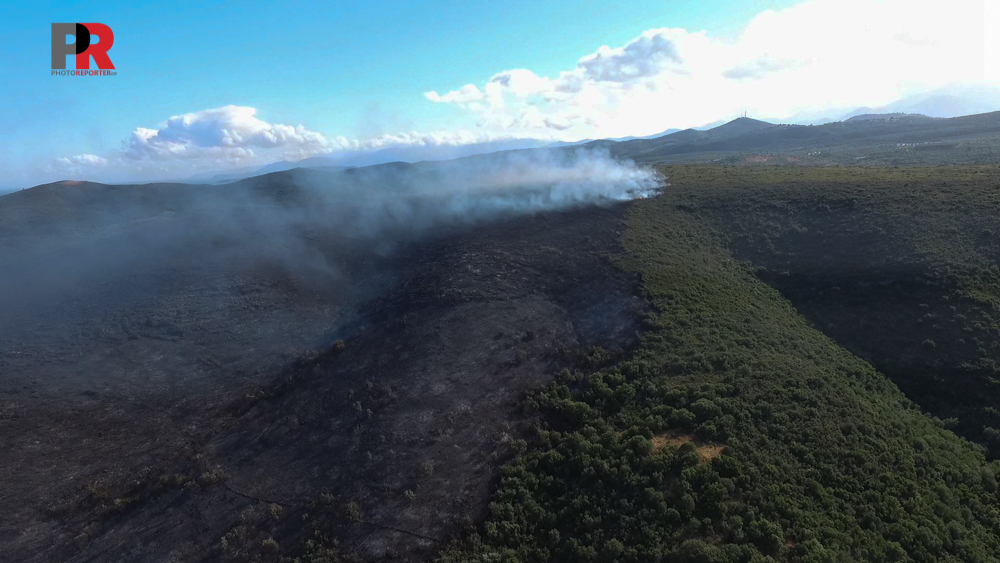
(739, 431)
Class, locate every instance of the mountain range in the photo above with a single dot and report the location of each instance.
(943, 103)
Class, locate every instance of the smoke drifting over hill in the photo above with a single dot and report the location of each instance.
(68, 240)
(418, 197)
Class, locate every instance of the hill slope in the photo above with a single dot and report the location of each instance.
(737, 432)
(188, 402)
(902, 267)
(191, 401)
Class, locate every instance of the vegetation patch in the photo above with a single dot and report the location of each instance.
(900, 266)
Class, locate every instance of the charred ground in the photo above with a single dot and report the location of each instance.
(213, 401)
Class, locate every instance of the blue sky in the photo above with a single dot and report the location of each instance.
(360, 70)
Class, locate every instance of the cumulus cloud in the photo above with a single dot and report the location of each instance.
(231, 131)
(819, 56)
(235, 133)
(645, 55)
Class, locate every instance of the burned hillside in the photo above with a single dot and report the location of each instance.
(222, 394)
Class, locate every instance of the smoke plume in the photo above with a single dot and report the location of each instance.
(84, 242)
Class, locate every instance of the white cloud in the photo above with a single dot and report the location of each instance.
(431, 139)
(232, 132)
(83, 160)
(817, 56)
(235, 134)
(465, 94)
(646, 55)
(758, 69)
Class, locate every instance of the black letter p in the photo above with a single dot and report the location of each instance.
(59, 46)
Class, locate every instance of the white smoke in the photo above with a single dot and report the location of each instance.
(409, 199)
(308, 223)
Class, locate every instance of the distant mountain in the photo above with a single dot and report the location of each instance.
(955, 101)
(732, 128)
(359, 158)
(947, 105)
(653, 136)
(219, 177)
(688, 135)
(738, 126)
(616, 139)
(887, 116)
(688, 140)
(419, 153)
(751, 135)
(811, 117)
(741, 134)
(280, 166)
(559, 144)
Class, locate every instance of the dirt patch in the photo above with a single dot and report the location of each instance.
(707, 452)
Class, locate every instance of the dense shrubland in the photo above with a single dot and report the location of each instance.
(900, 266)
(738, 431)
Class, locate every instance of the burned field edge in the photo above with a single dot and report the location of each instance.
(741, 430)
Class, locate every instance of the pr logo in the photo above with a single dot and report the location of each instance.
(85, 47)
